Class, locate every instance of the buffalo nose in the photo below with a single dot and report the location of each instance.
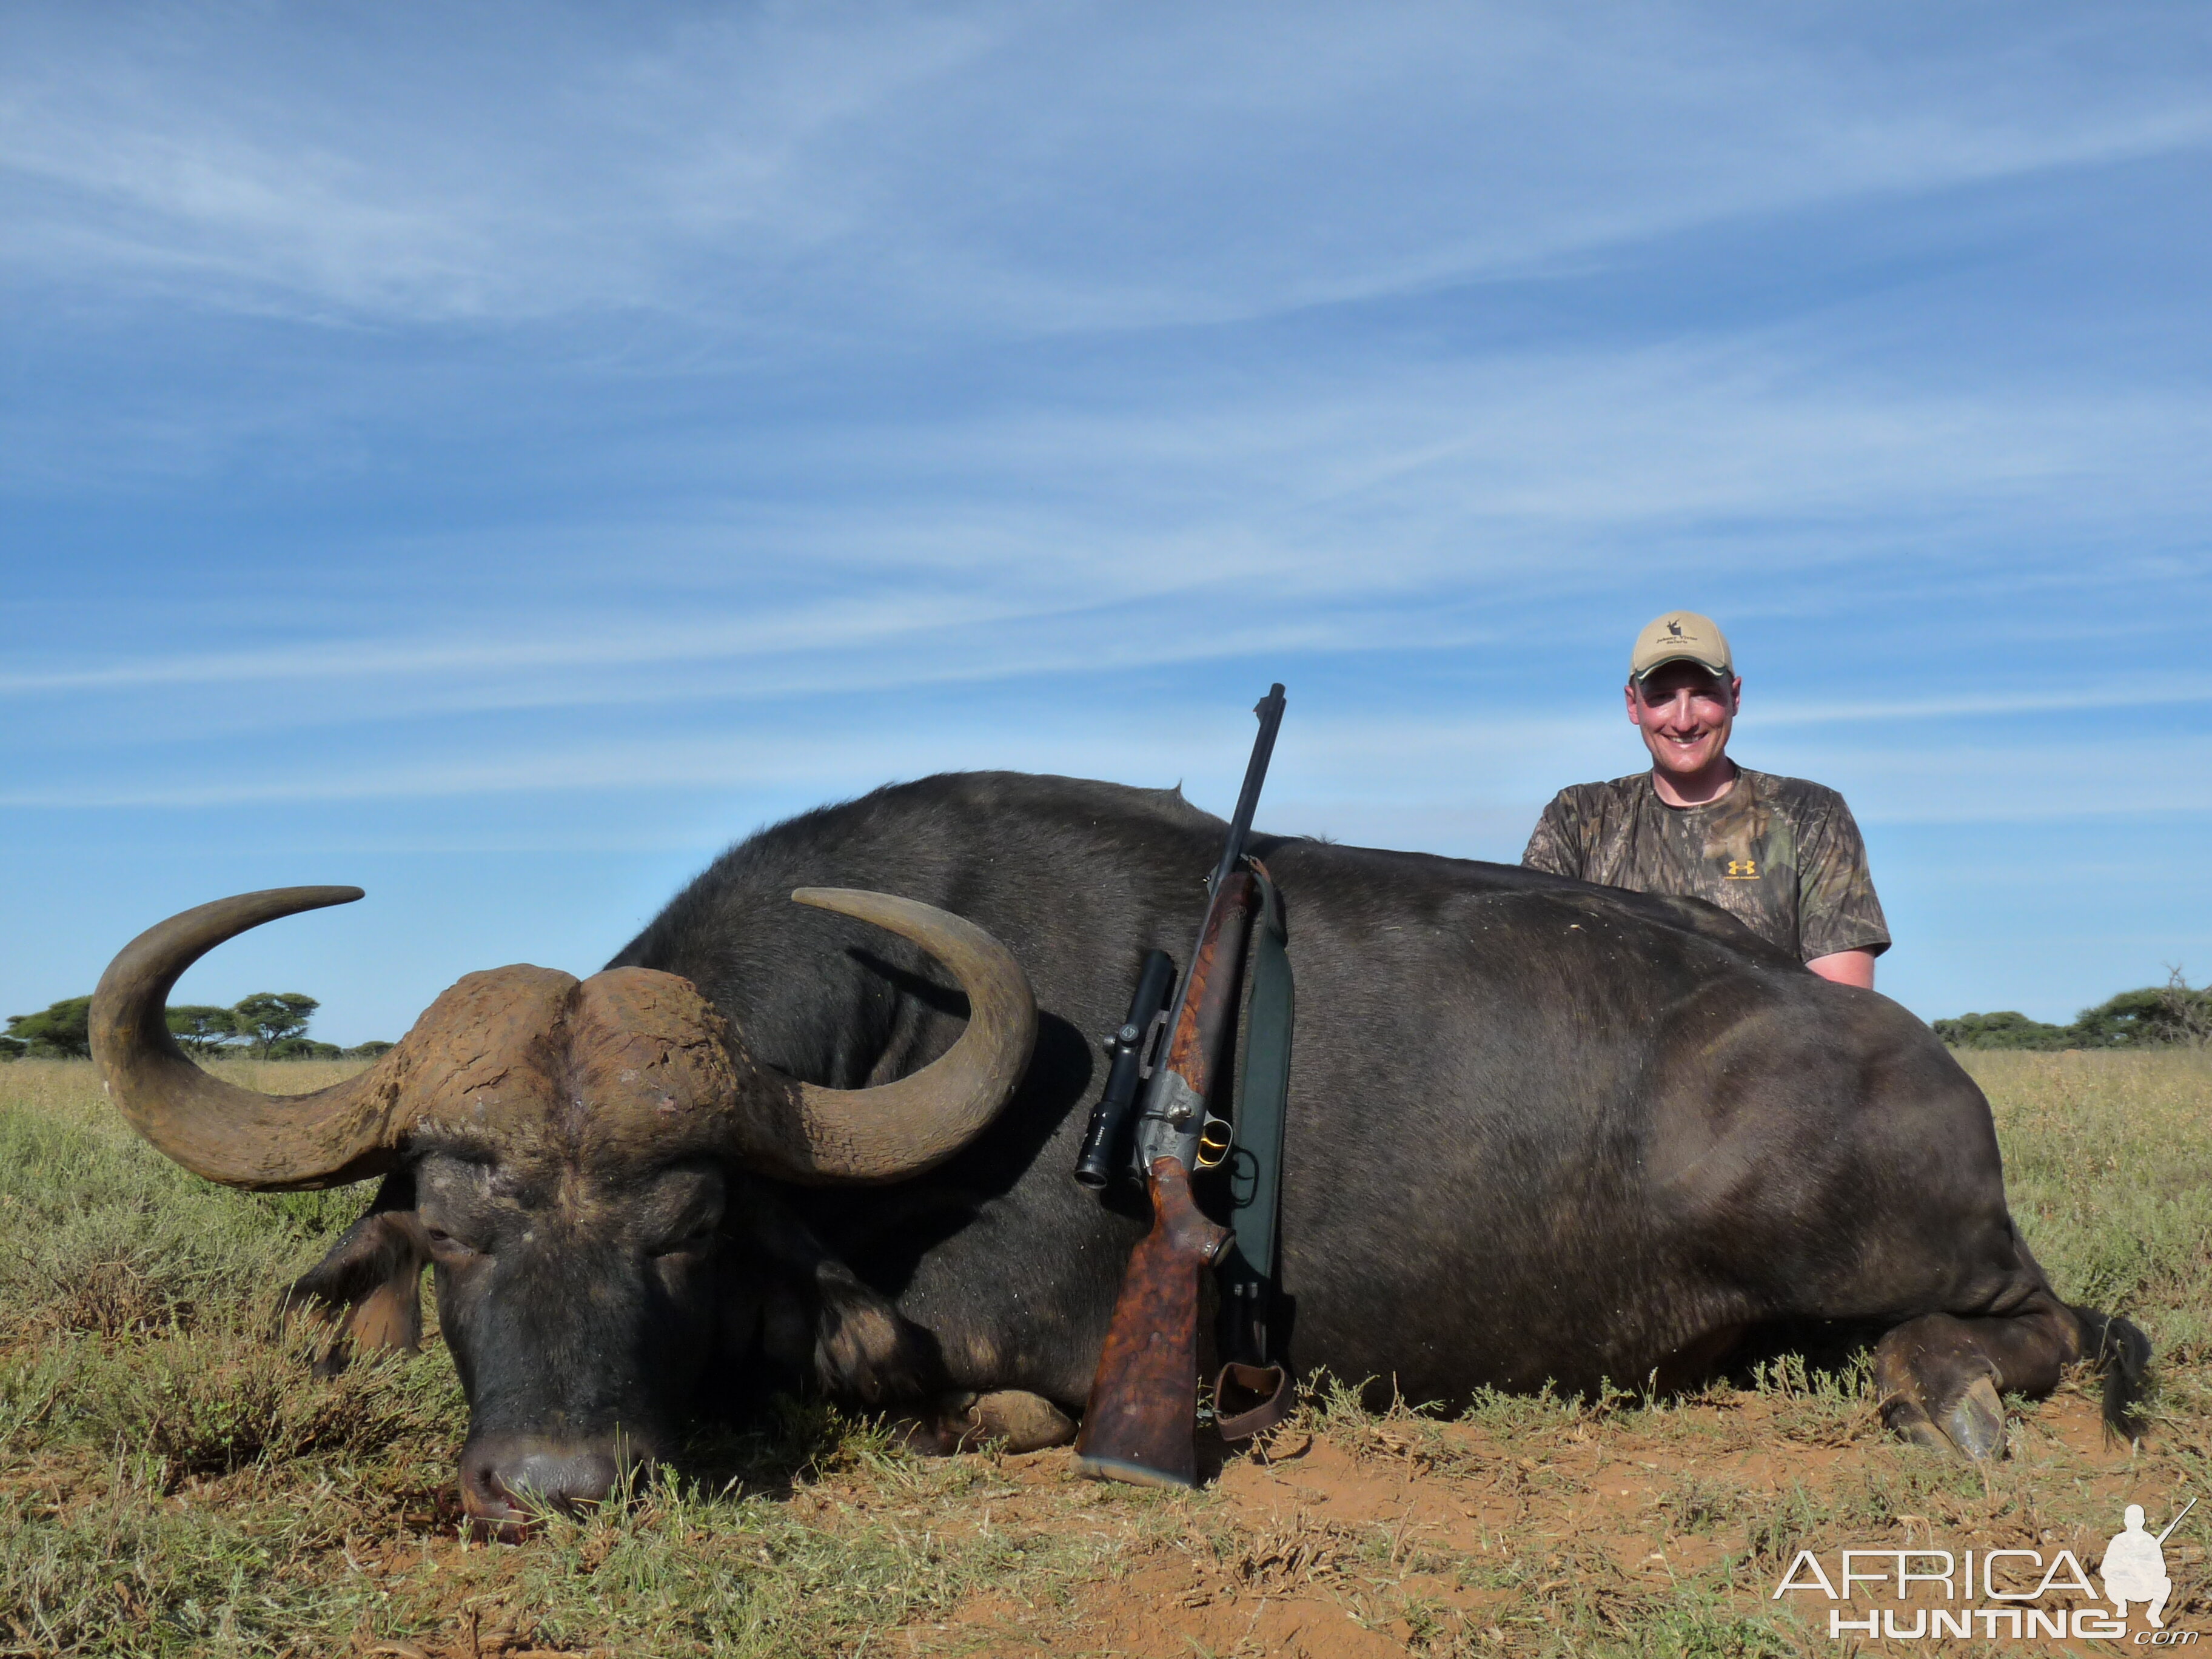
(507, 1479)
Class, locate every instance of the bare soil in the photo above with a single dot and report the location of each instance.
(1358, 1538)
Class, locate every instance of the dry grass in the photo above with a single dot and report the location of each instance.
(2108, 1165)
(172, 1481)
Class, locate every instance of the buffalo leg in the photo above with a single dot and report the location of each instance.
(1017, 1419)
(1942, 1377)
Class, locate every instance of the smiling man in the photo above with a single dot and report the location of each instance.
(1781, 855)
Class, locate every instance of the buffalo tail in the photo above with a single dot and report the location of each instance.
(2121, 1354)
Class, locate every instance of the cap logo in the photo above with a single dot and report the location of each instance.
(1676, 636)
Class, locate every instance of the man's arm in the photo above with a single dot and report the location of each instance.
(1846, 968)
(1840, 919)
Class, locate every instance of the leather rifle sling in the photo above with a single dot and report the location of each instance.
(1255, 1372)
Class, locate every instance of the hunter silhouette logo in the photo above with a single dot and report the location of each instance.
(2133, 1567)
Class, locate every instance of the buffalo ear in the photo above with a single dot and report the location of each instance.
(369, 1287)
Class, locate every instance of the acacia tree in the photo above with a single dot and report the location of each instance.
(2186, 1010)
(61, 1029)
(267, 1018)
(202, 1029)
(273, 1023)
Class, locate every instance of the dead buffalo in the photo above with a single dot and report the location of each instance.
(1538, 1132)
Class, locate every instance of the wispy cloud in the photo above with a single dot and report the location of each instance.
(989, 166)
(229, 155)
(847, 625)
(2070, 695)
(1342, 772)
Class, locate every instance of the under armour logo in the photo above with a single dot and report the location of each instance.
(1742, 870)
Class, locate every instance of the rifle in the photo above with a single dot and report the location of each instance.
(1143, 1402)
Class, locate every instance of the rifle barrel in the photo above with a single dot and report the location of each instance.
(1168, 1123)
(1269, 709)
(2175, 1521)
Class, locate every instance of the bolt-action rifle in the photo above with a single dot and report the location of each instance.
(1143, 1409)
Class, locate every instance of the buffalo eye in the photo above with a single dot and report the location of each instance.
(445, 1243)
(695, 1238)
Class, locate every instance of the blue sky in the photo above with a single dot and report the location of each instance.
(498, 456)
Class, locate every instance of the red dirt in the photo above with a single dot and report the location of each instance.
(1329, 1545)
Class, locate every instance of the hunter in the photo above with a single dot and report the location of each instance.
(1781, 855)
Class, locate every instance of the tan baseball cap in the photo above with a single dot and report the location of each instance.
(1680, 637)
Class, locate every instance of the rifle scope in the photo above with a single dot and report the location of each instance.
(1096, 1164)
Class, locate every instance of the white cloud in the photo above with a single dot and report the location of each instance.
(995, 167)
(431, 167)
(1410, 779)
(849, 624)
(1337, 512)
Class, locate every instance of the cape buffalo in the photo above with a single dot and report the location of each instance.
(1538, 1131)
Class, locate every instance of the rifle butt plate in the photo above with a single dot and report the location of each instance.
(1137, 1474)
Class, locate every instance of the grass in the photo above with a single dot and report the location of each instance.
(174, 1481)
(2108, 1165)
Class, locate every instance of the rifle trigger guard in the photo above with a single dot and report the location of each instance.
(1214, 1141)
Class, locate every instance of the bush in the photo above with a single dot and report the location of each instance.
(2157, 1014)
(2008, 1030)
(300, 1048)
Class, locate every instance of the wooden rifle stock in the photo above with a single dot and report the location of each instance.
(1143, 1409)
(1144, 1400)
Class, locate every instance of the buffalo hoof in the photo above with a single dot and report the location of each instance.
(1025, 1422)
(1972, 1428)
(1012, 1418)
(1975, 1424)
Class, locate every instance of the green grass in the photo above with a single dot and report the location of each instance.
(174, 1481)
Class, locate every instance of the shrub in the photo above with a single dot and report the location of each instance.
(2008, 1030)
(2172, 1013)
(300, 1048)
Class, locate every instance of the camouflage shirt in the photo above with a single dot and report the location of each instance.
(1781, 855)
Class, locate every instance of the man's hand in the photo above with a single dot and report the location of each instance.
(1846, 968)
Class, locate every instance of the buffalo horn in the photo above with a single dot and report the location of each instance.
(270, 1143)
(898, 1129)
